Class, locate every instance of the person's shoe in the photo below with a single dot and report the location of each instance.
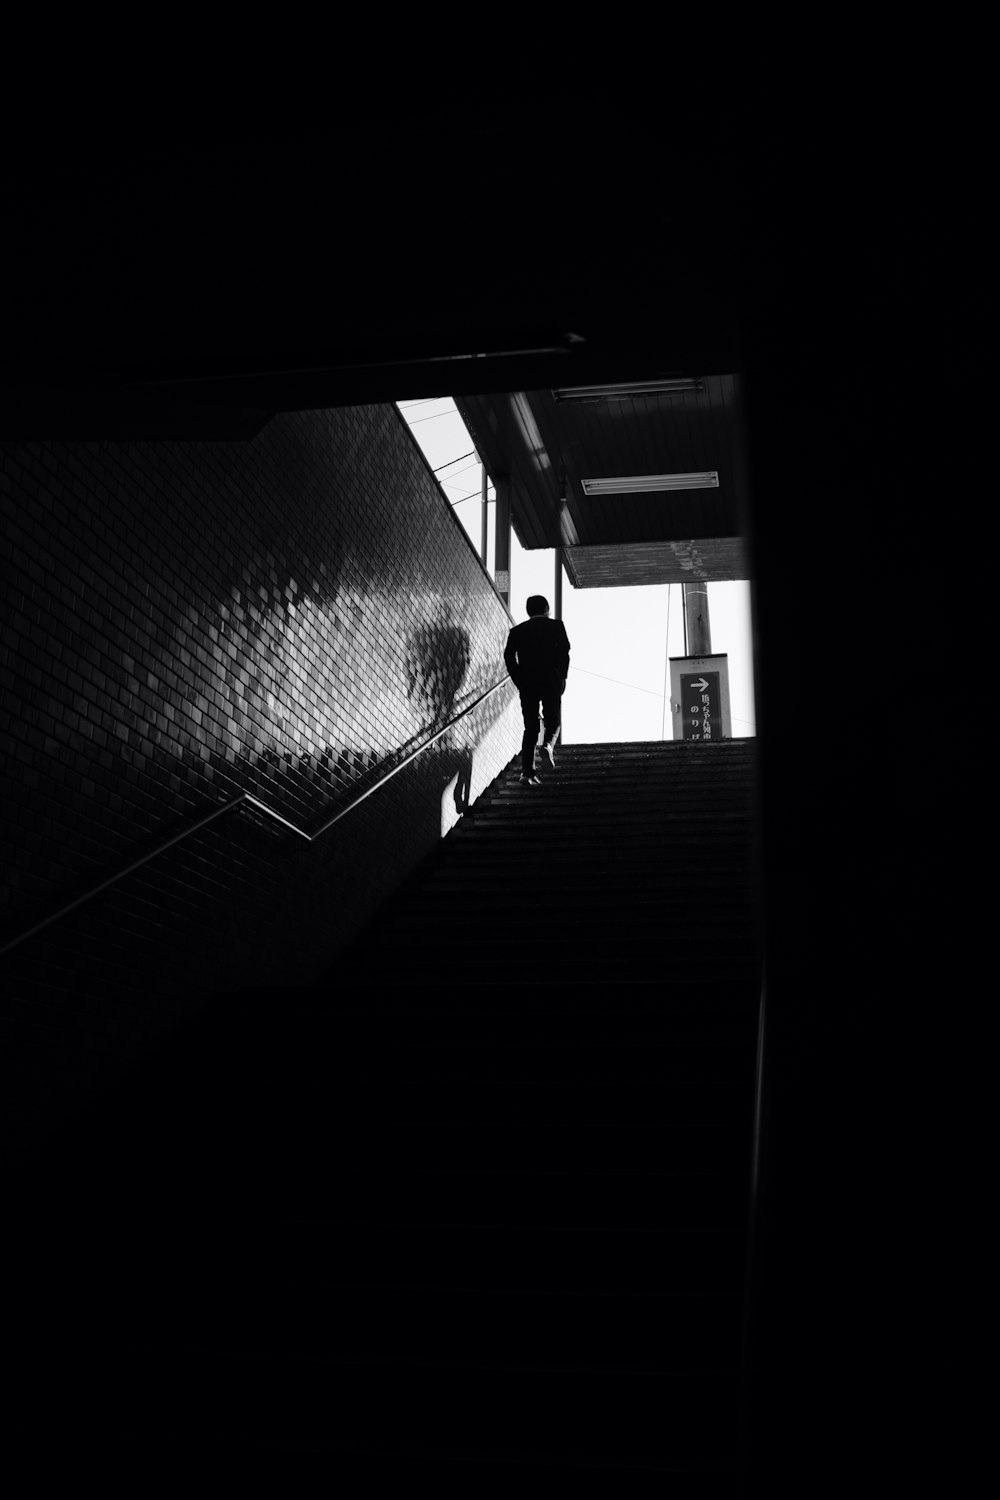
(524, 780)
(549, 756)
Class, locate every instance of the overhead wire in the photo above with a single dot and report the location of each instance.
(454, 461)
(457, 471)
(433, 416)
(451, 461)
(651, 691)
(473, 495)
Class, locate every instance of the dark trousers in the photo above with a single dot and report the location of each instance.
(549, 694)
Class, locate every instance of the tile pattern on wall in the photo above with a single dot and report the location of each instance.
(182, 622)
(184, 619)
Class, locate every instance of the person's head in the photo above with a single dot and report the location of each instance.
(537, 605)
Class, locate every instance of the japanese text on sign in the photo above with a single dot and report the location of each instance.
(701, 706)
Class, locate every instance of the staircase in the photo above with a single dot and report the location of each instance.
(472, 1209)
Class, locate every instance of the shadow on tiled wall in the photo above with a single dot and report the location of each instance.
(186, 622)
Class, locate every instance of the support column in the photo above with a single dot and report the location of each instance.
(501, 561)
(485, 518)
(699, 632)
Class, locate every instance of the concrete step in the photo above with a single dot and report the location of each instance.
(608, 964)
(206, 1159)
(712, 758)
(659, 916)
(401, 1104)
(722, 1032)
(663, 1064)
(567, 825)
(569, 1331)
(698, 887)
(566, 798)
(518, 871)
(616, 958)
(659, 999)
(665, 1201)
(592, 866)
(552, 1261)
(214, 1300)
(419, 1408)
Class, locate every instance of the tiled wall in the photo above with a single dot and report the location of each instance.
(182, 622)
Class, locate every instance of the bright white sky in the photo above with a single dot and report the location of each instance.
(618, 638)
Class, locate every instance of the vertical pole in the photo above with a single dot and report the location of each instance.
(501, 560)
(666, 664)
(485, 526)
(696, 614)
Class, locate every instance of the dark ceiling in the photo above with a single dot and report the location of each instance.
(164, 284)
(168, 281)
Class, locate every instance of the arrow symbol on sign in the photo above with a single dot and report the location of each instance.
(701, 683)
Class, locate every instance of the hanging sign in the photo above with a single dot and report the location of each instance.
(701, 706)
(700, 697)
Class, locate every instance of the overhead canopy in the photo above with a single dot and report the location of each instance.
(640, 482)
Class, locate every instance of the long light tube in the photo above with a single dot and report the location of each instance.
(629, 391)
(640, 484)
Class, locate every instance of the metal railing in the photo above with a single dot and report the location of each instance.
(235, 802)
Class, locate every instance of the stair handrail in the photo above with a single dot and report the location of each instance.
(235, 802)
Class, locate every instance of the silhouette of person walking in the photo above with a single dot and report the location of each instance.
(537, 658)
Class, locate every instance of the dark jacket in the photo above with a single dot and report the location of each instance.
(538, 651)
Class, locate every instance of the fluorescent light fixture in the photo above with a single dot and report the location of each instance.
(529, 430)
(568, 534)
(642, 484)
(630, 390)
